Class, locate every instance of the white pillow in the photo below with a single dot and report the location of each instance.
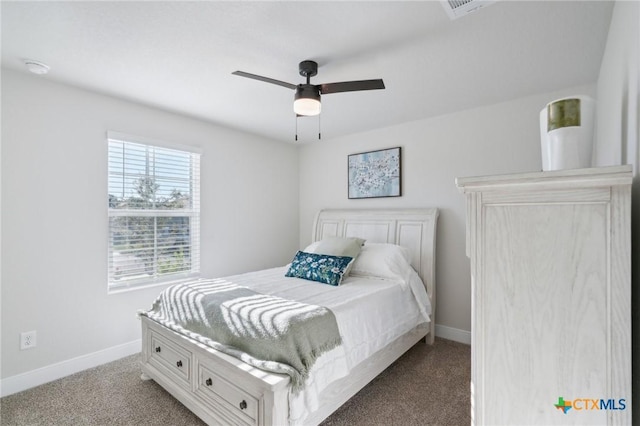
(382, 260)
(338, 246)
(311, 248)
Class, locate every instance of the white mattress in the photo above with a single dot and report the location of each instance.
(371, 313)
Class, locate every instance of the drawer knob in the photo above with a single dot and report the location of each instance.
(243, 404)
(208, 382)
(179, 363)
(158, 349)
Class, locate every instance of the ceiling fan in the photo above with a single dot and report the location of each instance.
(307, 97)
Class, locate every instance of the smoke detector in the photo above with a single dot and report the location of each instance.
(457, 8)
(36, 67)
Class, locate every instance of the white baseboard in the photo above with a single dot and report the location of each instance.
(454, 334)
(43, 375)
(40, 376)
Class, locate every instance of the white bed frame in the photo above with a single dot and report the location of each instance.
(223, 390)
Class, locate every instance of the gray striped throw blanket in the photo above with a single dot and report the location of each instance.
(268, 332)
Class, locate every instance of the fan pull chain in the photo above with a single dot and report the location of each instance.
(319, 128)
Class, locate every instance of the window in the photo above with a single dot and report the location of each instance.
(154, 212)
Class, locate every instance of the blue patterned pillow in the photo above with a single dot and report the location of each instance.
(319, 267)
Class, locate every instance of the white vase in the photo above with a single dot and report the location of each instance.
(566, 133)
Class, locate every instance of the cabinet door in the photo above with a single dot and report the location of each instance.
(544, 299)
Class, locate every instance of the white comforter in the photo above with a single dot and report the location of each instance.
(371, 313)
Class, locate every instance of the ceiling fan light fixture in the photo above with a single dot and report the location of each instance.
(306, 106)
(307, 101)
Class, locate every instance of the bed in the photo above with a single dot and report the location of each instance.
(221, 388)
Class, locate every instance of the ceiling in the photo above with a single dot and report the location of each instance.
(179, 56)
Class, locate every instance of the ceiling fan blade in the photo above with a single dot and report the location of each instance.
(351, 86)
(265, 79)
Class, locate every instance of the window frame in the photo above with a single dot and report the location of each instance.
(194, 213)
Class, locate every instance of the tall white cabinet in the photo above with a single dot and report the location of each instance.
(551, 296)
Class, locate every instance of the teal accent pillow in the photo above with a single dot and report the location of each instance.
(319, 267)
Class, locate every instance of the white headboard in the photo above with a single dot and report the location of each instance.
(414, 229)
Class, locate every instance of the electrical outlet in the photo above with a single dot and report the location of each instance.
(27, 340)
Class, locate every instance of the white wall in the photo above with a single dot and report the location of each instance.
(54, 214)
(495, 139)
(619, 89)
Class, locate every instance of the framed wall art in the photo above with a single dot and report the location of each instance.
(375, 174)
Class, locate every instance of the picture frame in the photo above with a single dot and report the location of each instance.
(375, 174)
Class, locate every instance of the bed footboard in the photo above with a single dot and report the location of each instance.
(216, 387)
(223, 390)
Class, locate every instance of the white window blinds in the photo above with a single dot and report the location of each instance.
(154, 213)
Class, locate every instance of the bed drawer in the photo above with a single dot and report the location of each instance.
(240, 403)
(168, 357)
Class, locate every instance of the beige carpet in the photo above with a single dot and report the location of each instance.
(429, 385)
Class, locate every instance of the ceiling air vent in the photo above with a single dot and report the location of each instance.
(457, 8)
